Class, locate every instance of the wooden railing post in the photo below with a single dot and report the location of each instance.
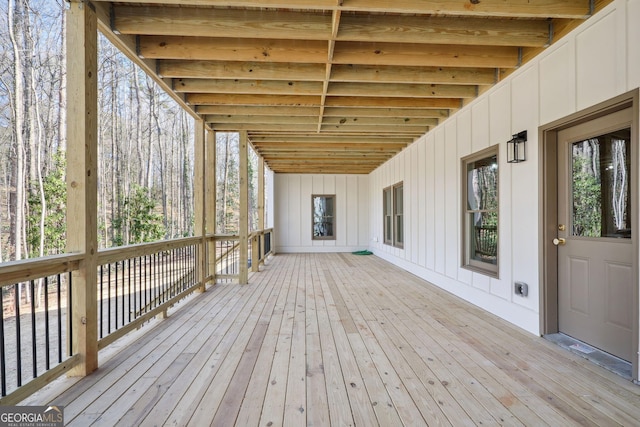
(261, 198)
(210, 202)
(244, 209)
(199, 191)
(82, 174)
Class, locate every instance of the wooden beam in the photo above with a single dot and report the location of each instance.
(436, 55)
(253, 87)
(243, 227)
(441, 113)
(573, 9)
(373, 102)
(253, 100)
(247, 120)
(233, 110)
(313, 138)
(232, 49)
(442, 30)
(207, 22)
(82, 179)
(396, 90)
(309, 146)
(240, 70)
(418, 75)
(380, 121)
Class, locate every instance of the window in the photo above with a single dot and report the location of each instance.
(388, 209)
(323, 217)
(481, 212)
(393, 200)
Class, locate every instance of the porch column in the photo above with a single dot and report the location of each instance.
(244, 209)
(210, 205)
(82, 173)
(199, 192)
(259, 240)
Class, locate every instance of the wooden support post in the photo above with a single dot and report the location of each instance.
(199, 191)
(244, 208)
(261, 222)
(210, 202)
(82, 183)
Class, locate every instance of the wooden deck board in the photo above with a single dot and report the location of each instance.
(338, 339)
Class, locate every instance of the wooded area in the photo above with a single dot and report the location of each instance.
(145, 187)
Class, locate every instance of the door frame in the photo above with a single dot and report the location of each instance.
(548, 211)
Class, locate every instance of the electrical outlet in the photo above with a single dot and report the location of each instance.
(521, 288)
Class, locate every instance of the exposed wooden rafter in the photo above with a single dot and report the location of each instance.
(332, 86)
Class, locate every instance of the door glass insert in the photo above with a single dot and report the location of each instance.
(601, 181)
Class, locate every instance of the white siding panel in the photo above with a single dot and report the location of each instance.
(480, 125)
(422, 202)
(309, 185)
(500, 133)
(351, 206)
(633, 36)
(363, 239)
(463, 139)
(430, 195)
(500, 115)
(441, 189)
(558, 83)
(524, 199)
(412, 214)
(337, 185)
(597, 68)
(452, 195)
(293, 212)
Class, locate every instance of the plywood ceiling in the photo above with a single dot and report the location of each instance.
(333, 86)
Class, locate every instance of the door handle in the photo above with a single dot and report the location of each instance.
(559, 241)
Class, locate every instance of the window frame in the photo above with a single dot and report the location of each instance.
(332, 216)
(468, 261)
(398, 215)
(387, 215)
(392, 217)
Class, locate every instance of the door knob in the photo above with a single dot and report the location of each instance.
(559, 241)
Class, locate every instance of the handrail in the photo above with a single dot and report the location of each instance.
(13, 272)
(107, 256)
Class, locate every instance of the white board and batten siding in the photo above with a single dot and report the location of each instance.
(292, 216)
(596, 62)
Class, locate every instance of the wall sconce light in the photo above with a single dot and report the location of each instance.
(516, 152)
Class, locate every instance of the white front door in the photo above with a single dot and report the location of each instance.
(595, 251)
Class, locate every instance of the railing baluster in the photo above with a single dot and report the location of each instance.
(47, 344)
(108, 299)
(34, 351)
(58, 294)
(70, 314)
(18, 335)
(101, 301)
(115, 300)
(3, 367)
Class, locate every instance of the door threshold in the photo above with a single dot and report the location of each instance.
(594, 355)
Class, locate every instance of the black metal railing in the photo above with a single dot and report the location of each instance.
(130, 288)
(35, 323)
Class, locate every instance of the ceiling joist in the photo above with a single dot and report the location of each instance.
(332, 86)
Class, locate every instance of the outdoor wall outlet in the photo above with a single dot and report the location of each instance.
(521, 289)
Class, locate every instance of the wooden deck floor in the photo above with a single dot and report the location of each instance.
(339, 339)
